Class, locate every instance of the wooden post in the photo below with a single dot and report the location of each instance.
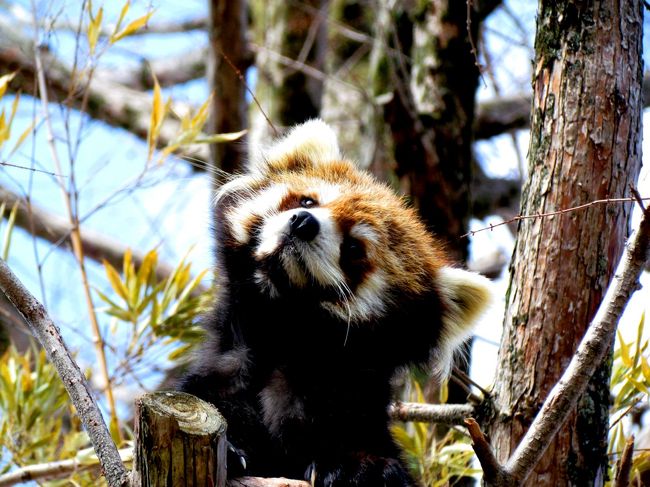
(180, 441)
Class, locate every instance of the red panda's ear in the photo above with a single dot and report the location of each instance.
(465, 295)
(313, 142)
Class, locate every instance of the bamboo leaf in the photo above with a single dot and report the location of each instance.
(158, 112)
(94, 27)
(639, 385)
(115, 281)
(4, 82)
(9, 231)
(22, 137)
(220, 138)
(625, 350)
(645, 369)
(125, 9)
(132, 27)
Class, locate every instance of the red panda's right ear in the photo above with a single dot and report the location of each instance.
(313, 142)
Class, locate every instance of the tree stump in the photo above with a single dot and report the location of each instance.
(180, 441)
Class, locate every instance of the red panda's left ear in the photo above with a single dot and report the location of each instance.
(305, 145)
(465, 295)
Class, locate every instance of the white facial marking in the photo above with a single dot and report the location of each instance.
(368, 302)
(364, 232)
(321, 255)
(327, 193)
(263, 204)
(317, 259)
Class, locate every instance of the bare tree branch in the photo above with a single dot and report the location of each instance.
(169, 70)
(493, 473)
(590, 354)
(266, 482)
(53, 228)
(56, 470)
(73, 379)
(448, 414)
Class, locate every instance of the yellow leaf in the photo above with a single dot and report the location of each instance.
(645, 369)
(116, 282)
(4, 128)
(94, 27)
(126, 266)
(625, 350)
(125, 9)
(132, 27)
(4, 82)
(639, 385)
(9, 230)
(22, 137)
(158, 112)
(220, 138)
(444, 392)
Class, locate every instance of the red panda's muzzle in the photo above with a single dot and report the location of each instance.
(304, 226)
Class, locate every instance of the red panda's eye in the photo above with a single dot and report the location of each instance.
(307, 202)
(353, 249)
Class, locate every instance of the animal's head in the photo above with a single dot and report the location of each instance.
(315, 227)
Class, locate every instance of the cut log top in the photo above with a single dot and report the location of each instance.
(193, 415)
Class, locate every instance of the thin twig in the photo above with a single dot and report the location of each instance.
(33, 169)
(589, 356)
(75, 235)
(517, 218)
(73, 379)
(243, 80)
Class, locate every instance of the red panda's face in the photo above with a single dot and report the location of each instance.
(314, 227)
(324, 237)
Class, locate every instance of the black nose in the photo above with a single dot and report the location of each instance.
(304, 226)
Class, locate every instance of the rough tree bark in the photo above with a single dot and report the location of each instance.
(584, 145)
(432, 113)
(227, 63)
(297, 31)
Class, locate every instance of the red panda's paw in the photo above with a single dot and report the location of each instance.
(236, 461)
(360, 470)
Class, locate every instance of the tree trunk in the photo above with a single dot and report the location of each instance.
(289, 34)
(180, 440)
(432, 112)
(585, 144)
(228, 61)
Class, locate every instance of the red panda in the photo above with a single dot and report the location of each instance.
(328, 283)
